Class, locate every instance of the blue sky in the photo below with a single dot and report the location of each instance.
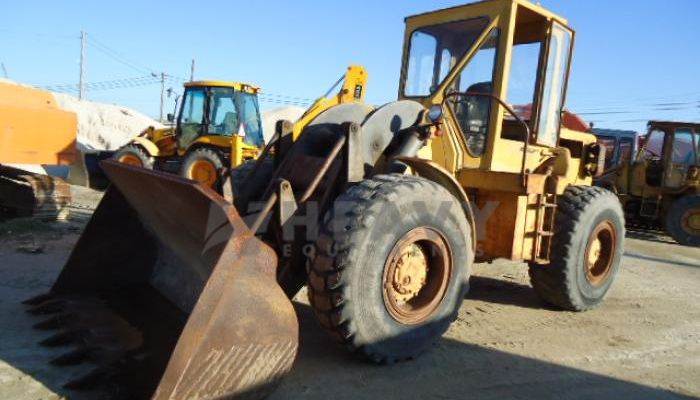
(632, 58)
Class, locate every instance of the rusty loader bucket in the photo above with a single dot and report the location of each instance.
(170, 296)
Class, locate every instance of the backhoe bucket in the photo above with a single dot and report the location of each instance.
(170, 296)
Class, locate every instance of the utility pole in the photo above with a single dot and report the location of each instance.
(83, 40)
(4, 70)
(192, 71)
(162, 94)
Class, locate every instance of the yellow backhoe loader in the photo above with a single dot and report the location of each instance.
(219, 127)
(380, 211)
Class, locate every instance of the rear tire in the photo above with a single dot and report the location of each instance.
(204, 165)
(586, 250)
(135, 155)
(392, 266)
(683, 220)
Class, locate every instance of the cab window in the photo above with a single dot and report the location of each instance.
(191, 116)
(193, 106)
(223, 117)
(523, 74)
(609, 143)
(683, 147)
(250, 120)
(473, 112)
(626, 146)
(654, 147)
(434, 50)
(557, 65)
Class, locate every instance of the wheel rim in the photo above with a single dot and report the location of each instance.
(416, 275)
(203, 171)
(690, 221)
(600, 253)
(131, 159)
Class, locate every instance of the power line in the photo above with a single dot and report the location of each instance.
(148, 80)
(290, 103)
(117, 56)
(104, 85)
(268, 97)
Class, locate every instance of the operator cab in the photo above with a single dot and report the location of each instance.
(670, 153)
(501, 75)
(219, 109)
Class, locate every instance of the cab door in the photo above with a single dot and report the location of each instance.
(192, 119)
(682, 155)
(648, 168)
(554, 84)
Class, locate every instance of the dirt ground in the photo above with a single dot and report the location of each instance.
(643, 342)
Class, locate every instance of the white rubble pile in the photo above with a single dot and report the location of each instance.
(270, 118)
(110, 126)
(104, 126)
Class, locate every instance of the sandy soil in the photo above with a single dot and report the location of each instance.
(644, 342)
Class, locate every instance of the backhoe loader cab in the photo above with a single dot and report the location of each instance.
(219, 110)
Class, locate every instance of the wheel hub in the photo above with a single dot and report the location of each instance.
(594, 253)
(416, 275)
(410, 273)
(130, 159)
(600, 253)
(203, 171)
(691, 221)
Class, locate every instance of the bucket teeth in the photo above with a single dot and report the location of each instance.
(72, 357)
(62, 338)
(88, 380)
(37, 299)
(53, 322)
(48, 307)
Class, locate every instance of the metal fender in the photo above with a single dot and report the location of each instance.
(436, 173)
(150, 147)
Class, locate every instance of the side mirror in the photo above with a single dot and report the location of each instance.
(171, 117)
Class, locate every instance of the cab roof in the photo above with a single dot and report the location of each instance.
(241, 86)
(674, 124)
(524, 3)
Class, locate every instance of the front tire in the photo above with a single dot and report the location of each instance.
(586, 250)
(683, 220)
(204, 165)
(135, 155)
(392, 266)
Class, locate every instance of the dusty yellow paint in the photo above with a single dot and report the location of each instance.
(515, 170)
(352, 91)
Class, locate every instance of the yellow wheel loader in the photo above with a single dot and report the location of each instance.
(219, 127)
(380, 211)
(660, 186)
